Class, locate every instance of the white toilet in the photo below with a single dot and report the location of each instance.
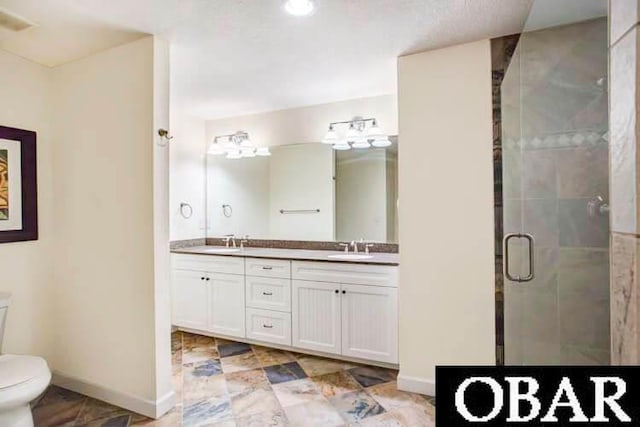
(22, 379)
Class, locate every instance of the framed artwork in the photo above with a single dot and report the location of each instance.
(18, 185)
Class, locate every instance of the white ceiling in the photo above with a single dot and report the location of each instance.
(232, 57)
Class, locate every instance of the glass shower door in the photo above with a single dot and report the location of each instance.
(554, 106)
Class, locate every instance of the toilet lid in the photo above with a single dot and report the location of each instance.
(18, 369)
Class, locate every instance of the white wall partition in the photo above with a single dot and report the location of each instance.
(447, 309)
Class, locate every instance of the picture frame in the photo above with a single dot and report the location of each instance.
(18, 185)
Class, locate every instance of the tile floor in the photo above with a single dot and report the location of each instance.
(221, 383)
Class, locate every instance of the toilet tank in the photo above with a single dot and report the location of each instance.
(4, 307)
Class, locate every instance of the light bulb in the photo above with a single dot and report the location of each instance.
(299, 7)
(374, 131)
(382, 142)
(331, 137)
(353, 132)
(216, 149)
(361, 143)
(342, 146)
(263, 151)
(248, 152)
(234, 154)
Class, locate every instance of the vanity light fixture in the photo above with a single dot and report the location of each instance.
(341, 146)
(361, 143)
(381, 142)
(236, 146)
(358, 135)
(216, 149)
(331, 137)
(352, 132)
(234, 155)
(248, 152)
(374, 131)
(263, 152)
(299, 7)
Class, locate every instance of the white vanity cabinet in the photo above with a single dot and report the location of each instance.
(208, 294)
(316, 316)
(189, 299)
(226, 304)
(347, 309)
(370, 322)
(268, 290)
(335, 308)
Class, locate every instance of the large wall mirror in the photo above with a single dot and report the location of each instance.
(306, 192)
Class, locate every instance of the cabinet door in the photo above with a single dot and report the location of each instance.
(316, 316)
(189, 299)
(226, 304)
(370, 322)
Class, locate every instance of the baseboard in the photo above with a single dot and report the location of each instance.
(416, 385)
(148, 408)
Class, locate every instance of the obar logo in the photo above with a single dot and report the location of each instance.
(502, 396)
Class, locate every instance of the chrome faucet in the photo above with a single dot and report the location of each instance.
(244, 240)
(230, 238)
(355, 244)
(345, 246)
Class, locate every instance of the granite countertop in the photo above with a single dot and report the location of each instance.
(378, 258)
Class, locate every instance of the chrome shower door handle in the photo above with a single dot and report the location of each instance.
(531, 242)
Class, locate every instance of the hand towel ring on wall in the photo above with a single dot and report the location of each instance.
(186, 210)
(227, 211)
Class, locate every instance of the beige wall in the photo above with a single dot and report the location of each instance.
(446, 212)
(92, 294)
(104, 205)
(307, 124)
(26, 268)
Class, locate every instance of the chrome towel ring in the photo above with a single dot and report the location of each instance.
(227, 211)
(186, 210)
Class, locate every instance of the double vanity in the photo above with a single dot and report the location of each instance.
(320, 302)
(330, 302)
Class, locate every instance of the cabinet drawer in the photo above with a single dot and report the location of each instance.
(268, 268)
(269, 326)
(268, 293)
(210, 263)
(357, 274)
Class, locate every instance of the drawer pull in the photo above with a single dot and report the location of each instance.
(267, 293)
(267, 267)
(267, 326)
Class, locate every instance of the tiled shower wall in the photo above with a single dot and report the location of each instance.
(624, 166)
(555, 160)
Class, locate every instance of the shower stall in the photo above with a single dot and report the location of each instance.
(552, 223)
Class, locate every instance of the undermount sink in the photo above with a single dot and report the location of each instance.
(350, 256)
(221, 250)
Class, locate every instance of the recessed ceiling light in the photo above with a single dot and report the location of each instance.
(299, 7)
